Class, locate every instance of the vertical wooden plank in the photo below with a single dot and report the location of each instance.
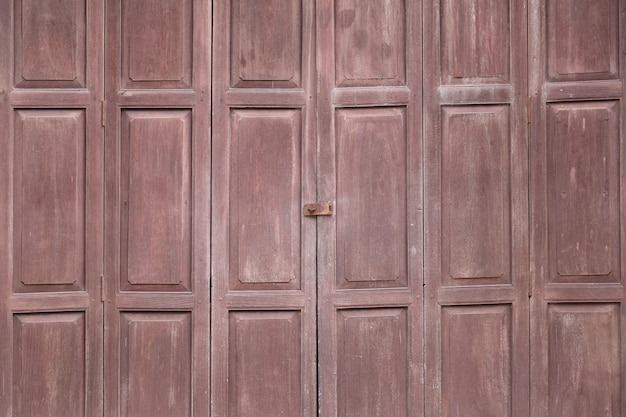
(157, 211)
(476, 260)
(6, 180)
(263, 350)
(51, 87)
(578, 319)
(369, 167)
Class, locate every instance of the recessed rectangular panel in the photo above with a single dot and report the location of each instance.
(50, 43)
(156, 194)
(370, 42)
(48, 365)
(583, 39)
(584, 197)
(372, 363)
(265, 209)
(157, 43)
(475, 40)
(475, 200)
(49, 205)
(584, 349)
(266, 43)
(264, 357)
(371, 197)
(155, 364)
(476, 374)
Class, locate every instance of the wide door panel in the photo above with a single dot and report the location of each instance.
(263, 269)
(51, 165)
(578, 361)
(157, 208)
(369, 259)
(476, 196)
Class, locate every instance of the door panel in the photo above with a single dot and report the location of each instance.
(263, 261)
(482, 332)
(578, 361)
(50, 40)
(369, 250)
(51, 159)
(476, 208)
(157, 208)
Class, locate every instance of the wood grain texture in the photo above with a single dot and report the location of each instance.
(582, 39)
(371, 363)
(50, 43)
(157, 208)
(476, 41)
(584, 359)
(266, 45)
(157, 46)
(577, 251)
(370, 48)
(475, 201)
(156, 192)
(371, 198)
(49, 357)
(265, 352)
(582, 179)
(476, 361)
(266, 163)
(50, 200)
(156, 364)
(476, 319)
(370, 167)
(263, 311)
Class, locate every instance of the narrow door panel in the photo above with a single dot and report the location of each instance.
(476, 208)
(263, 264)
(578, 362)
(157, 208)
(51, 188)
(155, 188)
(49, 204)
(370, 251)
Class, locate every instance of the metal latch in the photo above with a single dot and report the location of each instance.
(318, 209)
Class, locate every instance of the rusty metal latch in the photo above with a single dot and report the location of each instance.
(318, 209)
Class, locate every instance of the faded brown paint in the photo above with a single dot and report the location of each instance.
(263, 255)
(312, 102)
(476, 319)
(578, 361)
(51, 188)
(370, 251)
(157, 208)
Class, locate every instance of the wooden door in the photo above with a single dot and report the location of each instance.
(263, 259)
(476, 209)
(51, 170)
(578, 316)
(370, 249)
(157, 208)
(277, 296)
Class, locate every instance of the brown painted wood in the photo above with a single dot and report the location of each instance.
(157, 208)
(370, 249)
(263, 352)
(578, 361)
(52, 159)
(404, 299)
(476, 319)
